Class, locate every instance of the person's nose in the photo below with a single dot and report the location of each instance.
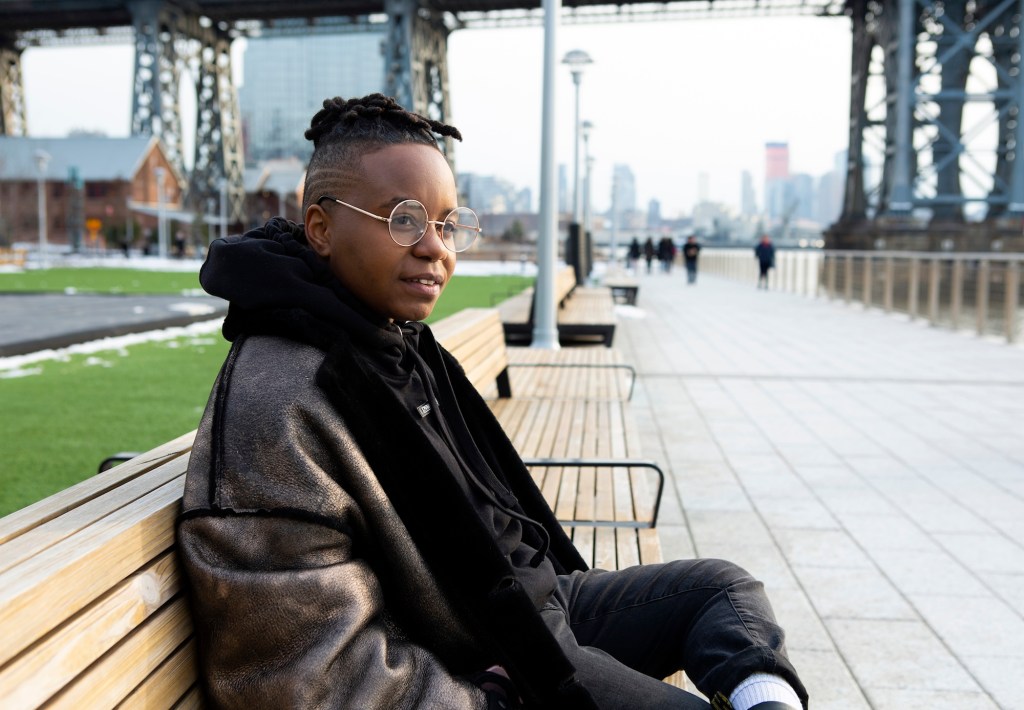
(431, 245)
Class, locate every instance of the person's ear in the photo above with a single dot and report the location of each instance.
(316, 223)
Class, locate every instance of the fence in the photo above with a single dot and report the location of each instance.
(978, 291)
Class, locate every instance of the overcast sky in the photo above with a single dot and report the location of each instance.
(671, 99)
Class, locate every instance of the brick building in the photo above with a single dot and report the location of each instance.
(90, 182)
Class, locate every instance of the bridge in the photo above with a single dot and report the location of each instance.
(936, 149)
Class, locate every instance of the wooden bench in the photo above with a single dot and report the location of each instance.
(12, 257)
(585, 313)
(623, 290)
(575, 431)
(90, 593)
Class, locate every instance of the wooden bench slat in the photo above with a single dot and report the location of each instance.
(192, 700)
(33, 541)
(117, 674)
(173, 679)
(21, 521)
(40, 593)
(49, 665)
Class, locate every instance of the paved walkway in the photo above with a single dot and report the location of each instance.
(870, 470)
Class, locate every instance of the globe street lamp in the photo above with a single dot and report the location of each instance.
(42, 160)
(577, 59)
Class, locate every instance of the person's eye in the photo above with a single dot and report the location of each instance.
(405, 220)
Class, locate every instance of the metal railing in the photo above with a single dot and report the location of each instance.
(980, 291)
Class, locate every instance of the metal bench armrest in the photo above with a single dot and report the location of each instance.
(607, 463)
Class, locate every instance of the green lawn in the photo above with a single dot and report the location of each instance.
(100, 280)
(60, 423)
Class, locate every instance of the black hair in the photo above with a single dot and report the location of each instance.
(345, 129)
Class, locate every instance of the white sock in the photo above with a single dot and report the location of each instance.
(760, 688)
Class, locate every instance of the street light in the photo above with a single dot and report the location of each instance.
(576, 60)
(588, 161)
(42, 160)
(161, 226)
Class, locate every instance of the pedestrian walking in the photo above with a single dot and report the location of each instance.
(691, 251)
(666, 253)
(649, 252)
(765, 253)
(633, 255)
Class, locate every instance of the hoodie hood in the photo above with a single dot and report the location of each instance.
(274, 281)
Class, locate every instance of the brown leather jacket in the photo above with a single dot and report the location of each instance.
(330, 563)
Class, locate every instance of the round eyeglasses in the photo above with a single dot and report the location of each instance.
(408, 223)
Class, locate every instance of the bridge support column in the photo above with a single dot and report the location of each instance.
(416, 62)
(1016, 202)
(155, 109)
(218, 150)
(901, 194)
(12, 90)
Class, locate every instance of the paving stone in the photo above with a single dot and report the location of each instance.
(852, 593)
(783, 512)
(1009, 587)
(985, 553)
(931, 573)
(820, 548)
(898, 654)
(886, 532)
(974, 626)
(828, 681)
(911, 699)
(1001, 676)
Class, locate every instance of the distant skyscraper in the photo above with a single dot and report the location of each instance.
(776, 179)
(653, 214)
(623, 188)
(563, 189)
(703, 187)
(748, 202)
(281, 92)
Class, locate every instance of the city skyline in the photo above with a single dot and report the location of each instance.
(650, 108)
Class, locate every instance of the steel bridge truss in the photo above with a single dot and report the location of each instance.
(935, 124)
(171, 40)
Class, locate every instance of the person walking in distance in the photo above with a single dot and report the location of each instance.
(633, 255)
(649, 252)
(691, 250)
(765, 254)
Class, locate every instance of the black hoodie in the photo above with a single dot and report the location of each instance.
(271, 278)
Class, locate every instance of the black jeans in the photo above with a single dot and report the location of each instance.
(625, 630)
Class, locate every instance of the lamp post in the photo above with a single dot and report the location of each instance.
(161, 226)
(545, 326)
(588, 163)
(42, 160)
(576, 60)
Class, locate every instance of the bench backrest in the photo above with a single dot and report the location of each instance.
(90, 599)
(477, 340)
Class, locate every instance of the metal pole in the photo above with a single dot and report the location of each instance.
(42, 159)
(1016, 206)
(577, 194)
(223, 208)
(901, 197)
(545, 330)
(161, 227)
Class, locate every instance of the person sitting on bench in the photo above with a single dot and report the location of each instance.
(358, 532)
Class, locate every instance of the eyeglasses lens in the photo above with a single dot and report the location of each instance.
(409, 223)
(461, 229)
